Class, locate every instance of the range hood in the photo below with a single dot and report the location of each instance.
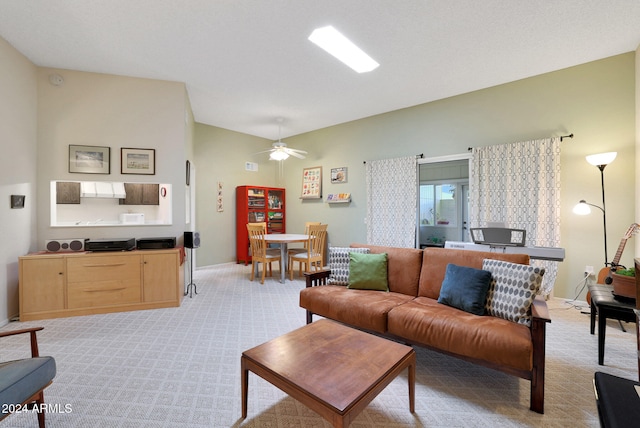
(102, 189)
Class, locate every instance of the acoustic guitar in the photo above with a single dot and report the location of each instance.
(605, 276)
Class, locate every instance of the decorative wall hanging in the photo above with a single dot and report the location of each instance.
(312, 183)
(339, 175)
(89, 159)
(137, 161)
(219, 202)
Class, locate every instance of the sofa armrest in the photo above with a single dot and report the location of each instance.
(539, 319)
(317, 277)
(540, 310)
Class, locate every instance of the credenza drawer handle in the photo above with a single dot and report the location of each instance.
(105, 265)
(94, 290)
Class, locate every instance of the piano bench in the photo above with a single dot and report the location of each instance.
(604, 303)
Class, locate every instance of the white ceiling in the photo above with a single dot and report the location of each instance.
(247, 62)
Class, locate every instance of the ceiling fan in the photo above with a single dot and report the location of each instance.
(280, 151)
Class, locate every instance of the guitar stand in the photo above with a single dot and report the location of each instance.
(188, 289)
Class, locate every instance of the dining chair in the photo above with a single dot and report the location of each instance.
(22, 382)
(315, 250)
(292, 251)
(260, 253)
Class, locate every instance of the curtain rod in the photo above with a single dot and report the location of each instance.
(420, 156)
(562, 137)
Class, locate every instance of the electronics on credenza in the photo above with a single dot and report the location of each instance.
(62, 245)
(156, 243)
(124, 244)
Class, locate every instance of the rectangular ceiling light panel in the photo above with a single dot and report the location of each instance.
(332, 41)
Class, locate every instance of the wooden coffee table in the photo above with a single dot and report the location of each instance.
(332, 369)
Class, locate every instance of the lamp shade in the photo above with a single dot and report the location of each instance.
(582, 208)
(602, 158)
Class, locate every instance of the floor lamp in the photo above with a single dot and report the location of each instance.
(601, 160)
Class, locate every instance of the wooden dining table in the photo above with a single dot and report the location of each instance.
(284, 239)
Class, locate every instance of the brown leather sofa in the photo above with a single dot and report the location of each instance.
(409, 312)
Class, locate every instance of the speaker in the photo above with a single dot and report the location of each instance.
(61, 245)
(191, 239)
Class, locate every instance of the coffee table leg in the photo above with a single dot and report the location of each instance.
(412, 384)
(245, 386)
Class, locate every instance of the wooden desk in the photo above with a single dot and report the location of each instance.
(284, 239)
(333, 369)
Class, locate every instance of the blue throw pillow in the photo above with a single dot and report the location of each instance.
(465, 288)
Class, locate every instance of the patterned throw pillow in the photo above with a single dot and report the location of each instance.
(339, 264)
(512, 290)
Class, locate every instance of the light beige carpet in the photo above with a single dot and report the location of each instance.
(180, 367)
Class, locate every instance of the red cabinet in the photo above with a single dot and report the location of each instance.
(256, 204)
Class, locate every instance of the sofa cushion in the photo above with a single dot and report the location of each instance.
(339, 264)
(368, 271)
(403, 267)
(482, 339)
(512, 290)
(364, 309)
(465, 288)
(435, 263)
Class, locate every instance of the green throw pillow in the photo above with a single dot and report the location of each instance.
(368, 271)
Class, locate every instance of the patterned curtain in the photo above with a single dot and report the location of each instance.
(518, 184)
(392, 202)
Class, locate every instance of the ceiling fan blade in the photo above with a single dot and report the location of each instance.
(295, 154)
(265, 151)
(290, 150)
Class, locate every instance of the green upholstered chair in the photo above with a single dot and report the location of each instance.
(22, 382)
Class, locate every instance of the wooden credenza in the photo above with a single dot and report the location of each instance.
(55, 285)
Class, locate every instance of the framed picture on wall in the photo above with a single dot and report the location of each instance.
(312, 183)
(339, 175)
(137, 161)
(89, 159)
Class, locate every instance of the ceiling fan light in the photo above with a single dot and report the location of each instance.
(278, 155)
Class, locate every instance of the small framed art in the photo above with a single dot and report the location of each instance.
(89, 159)
(17, 201)
(137, 161)
(339, 175)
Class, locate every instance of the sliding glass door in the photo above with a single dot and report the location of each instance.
(443, 202)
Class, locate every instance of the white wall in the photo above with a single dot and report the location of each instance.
(38, 122)
(18, 134)
(220, 155)
(111, 111)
